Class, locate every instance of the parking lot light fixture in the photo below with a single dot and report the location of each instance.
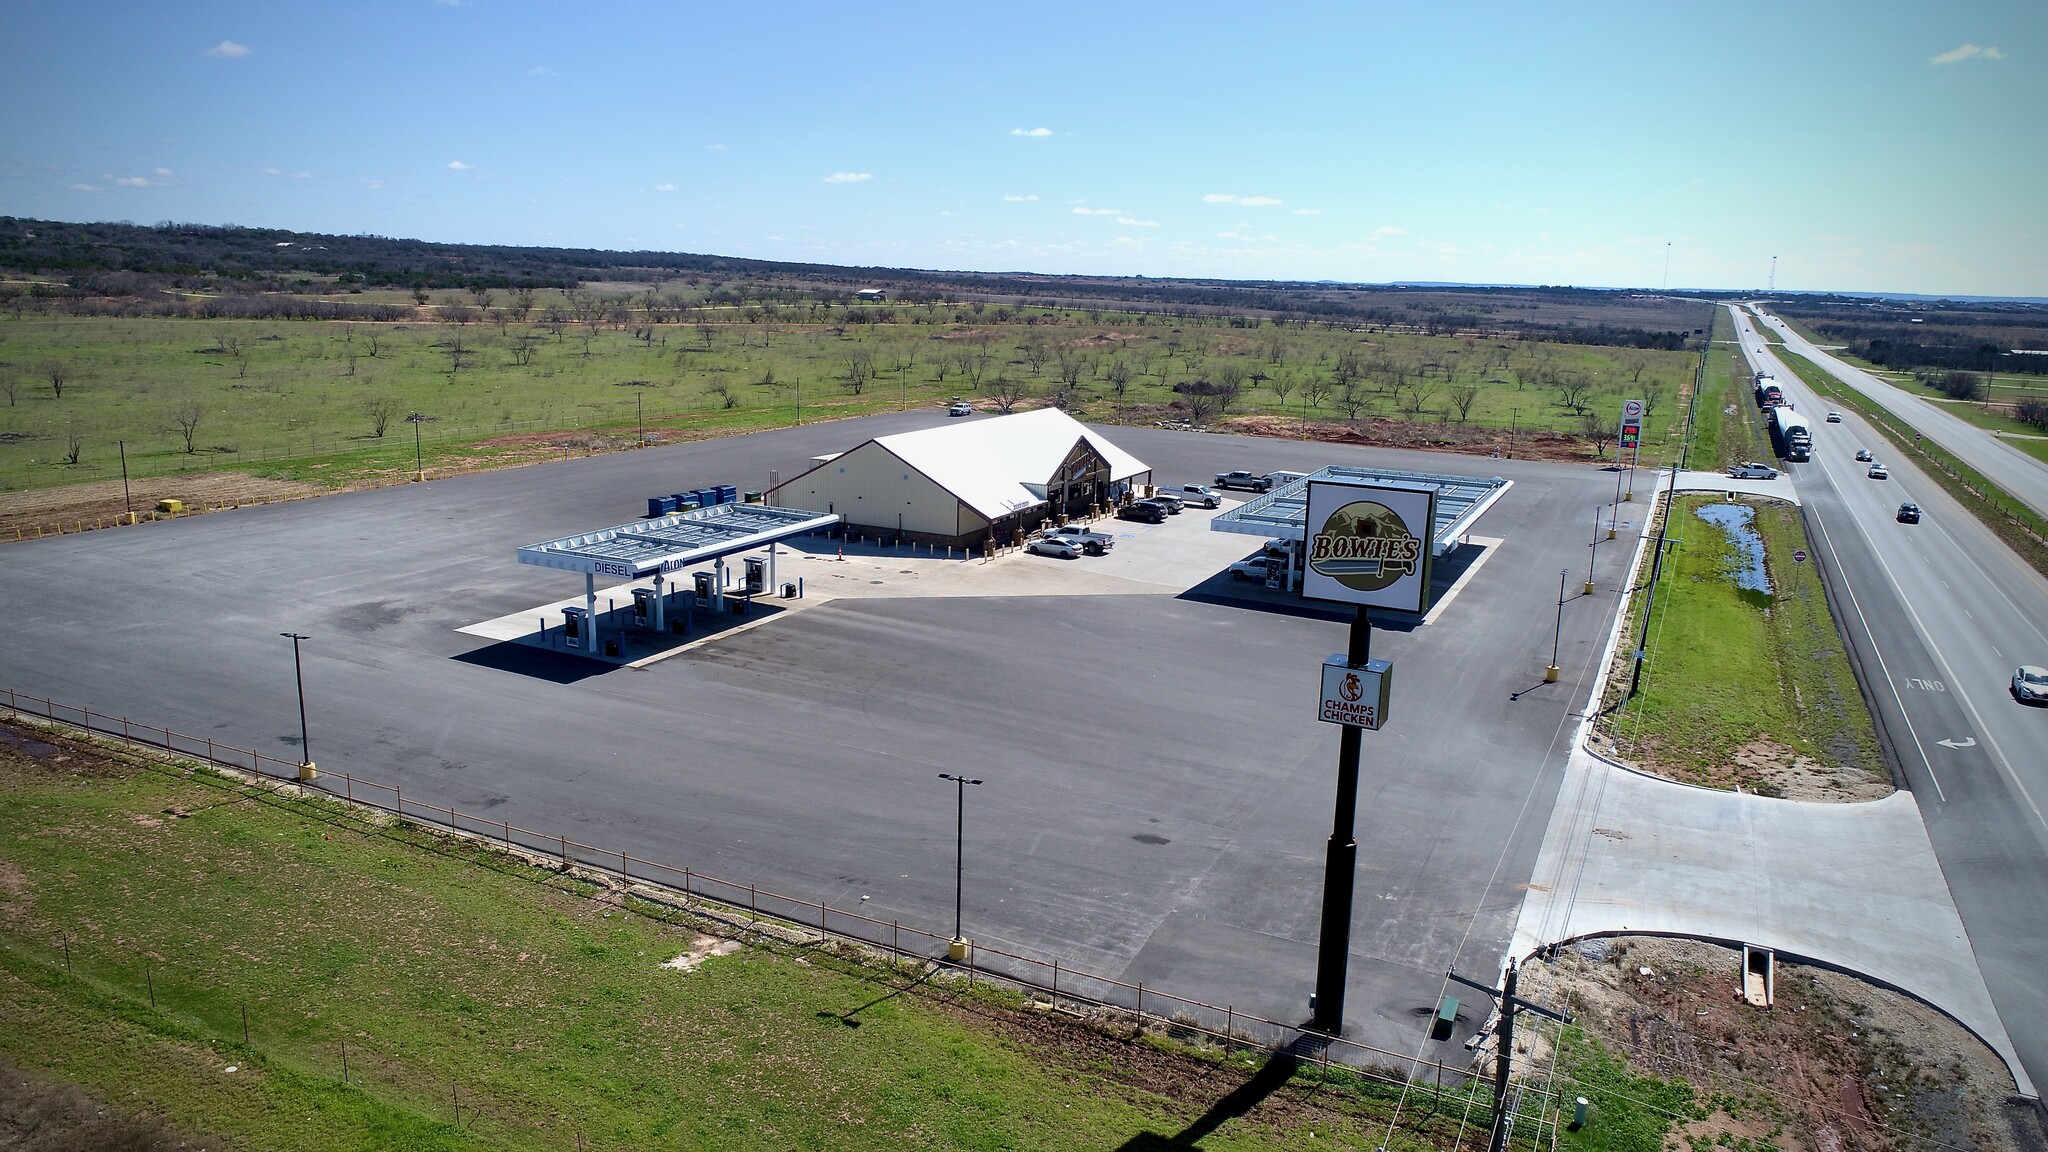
(1550, 674)
(957, 950)
(306, 769)
(419, 469)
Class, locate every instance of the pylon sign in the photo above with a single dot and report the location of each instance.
(1355, 696)
(1369, 544)
(1631, 423)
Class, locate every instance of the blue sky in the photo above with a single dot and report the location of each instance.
(1869, 147)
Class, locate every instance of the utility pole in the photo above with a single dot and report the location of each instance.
(1635, 676)
(1667, 265)
(1550, 674)
(127, 505)
(1773, 288)
(419, 468)
(1504, 1054)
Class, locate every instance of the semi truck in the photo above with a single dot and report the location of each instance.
(1768, 394)
(1790, 435)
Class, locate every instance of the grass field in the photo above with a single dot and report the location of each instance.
(1742, 682)
(307, 399)
(152, 915)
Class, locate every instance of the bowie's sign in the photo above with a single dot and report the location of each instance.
(1369, 544)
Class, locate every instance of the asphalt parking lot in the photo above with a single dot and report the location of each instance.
(1158, 790)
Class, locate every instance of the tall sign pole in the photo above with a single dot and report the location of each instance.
(1631, 438)
(1369, 546)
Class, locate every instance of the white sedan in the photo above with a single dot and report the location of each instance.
(2030, 684)
(1058, 546)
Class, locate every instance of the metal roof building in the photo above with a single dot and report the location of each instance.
(1283, 512)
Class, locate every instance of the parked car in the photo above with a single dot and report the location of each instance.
(1834, 417)
(1909, 513)
(1197, 494)
(1862, 455)
(1280, 548)
(1143, 511)
(1751, 470)
(960, 408)
(1084, 534)
(1167, 500)
(1058, 546)
(1248, 481)
(2030, 684)
(1877, 472)
(1281, 479)
(1255, 568)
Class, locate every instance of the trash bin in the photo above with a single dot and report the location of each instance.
(611, 647)
(789, 591)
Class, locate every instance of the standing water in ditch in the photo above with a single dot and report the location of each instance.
(1738, 521)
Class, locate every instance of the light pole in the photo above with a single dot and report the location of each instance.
(957, 950)
(306, 769)
(127, 505)
(419, 468)
(1514, 419)
(1550, 673)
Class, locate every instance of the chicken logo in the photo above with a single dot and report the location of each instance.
(1351, 689)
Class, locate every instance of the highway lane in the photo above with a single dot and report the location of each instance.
(2022, 476)
(1938, 614)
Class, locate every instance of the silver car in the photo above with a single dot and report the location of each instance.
(2030, 684)
(1058, 546)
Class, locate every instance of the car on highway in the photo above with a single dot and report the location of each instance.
(1909, 513)
(1143, 511)
(1751, 470)
(1196, 494)
(2030, 684)
(1255, 568)
(1878, 472)
(1058, 546)
(1862, 454)
(1249, 481)
(1834, 417)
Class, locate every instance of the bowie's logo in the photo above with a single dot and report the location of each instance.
(1365, 545)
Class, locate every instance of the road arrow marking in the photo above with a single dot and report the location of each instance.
(1965, 742)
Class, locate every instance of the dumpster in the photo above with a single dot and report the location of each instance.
(655, 508)
(728, 493)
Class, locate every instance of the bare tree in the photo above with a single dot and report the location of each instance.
(1118, 375)
(1575, 394)
(860, 368)
(457, 348)
(10, 387)
(1352, 398)
(1315, 389)
(1281, 383)
(1007, 392)
(1420, 393)
(727, 398)
(1034, 353)
(73, 444)
(58, 374)
(375, 340)
(187, 417)
(1069, 362)
(380, 410)
(1201, 404)
(455, 311)
(521, 305)
(1462, 398)
(1598, 429)
(522, 350)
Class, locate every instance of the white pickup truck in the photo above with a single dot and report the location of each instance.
(1084, 534)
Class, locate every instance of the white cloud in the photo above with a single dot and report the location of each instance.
(459, 166)
(273, 172)
(1389, 230)
(302, 175)
(84, 188)
(714, 147)
(1308, 211)
(1098, 211)
(1030, 131)
(541, 70)
(849, 177)
(228, 50)
(165, 174)
(1231, 236)
(1025, 199)
(1257, 201)
(133, 182)
(1219, 198)
(1128, 222)
(664, 187)
(1967, 52)
(371, 184)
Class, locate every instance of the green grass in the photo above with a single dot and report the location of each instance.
(1721, 437)
(295, 398)
(446, 968)
(1728, 667)
(2023, 530)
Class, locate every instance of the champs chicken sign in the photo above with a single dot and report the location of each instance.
(1369, 544)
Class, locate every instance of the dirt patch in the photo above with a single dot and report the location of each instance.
(1381, 432)
(14, 895)
(1762, 767)
(97, 504)
(701, 949)
(1835, 1065)
(49, 1115)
